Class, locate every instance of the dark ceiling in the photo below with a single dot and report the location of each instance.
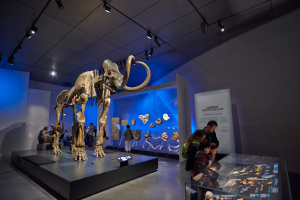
(81, 36)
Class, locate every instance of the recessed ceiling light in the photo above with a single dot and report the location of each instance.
(11, 60)
(203, 28)
(59, 4)
(53, 73)
(149, 36)
(33, 30)
(106, 7)
(151, 52)
(221, 26)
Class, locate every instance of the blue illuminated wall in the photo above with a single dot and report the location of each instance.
(13, 104)
(155, 103)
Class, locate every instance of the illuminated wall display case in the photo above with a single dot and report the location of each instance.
(153, 115)
(243, 177)
(155, 132)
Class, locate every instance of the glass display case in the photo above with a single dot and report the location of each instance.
(243, 177)
(155, 136)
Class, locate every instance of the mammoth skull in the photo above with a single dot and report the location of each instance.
(116, 78)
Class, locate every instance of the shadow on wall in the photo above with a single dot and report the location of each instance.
(237, 130)
(12, 138)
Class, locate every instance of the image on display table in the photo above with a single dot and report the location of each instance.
(124, 158)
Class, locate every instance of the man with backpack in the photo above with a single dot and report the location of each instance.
(190, 149)
(128, 135)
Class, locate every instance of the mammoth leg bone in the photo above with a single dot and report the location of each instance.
(98, 148)
(74, 128)
(80, 144)
(58, 130)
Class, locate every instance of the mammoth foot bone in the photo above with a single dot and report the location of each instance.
(56, 149)
(99, 151)
(80, 154)
(73, 147)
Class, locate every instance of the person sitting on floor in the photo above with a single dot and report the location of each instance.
(45, 131)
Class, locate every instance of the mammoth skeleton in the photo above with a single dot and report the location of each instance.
(92, 84)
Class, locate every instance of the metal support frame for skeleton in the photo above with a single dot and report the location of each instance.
(91, 84)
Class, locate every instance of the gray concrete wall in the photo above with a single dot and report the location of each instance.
(262, 70)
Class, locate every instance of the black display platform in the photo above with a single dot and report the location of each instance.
(75, 180)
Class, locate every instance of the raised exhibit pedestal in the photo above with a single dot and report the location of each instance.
(47, 146)
(76, 180)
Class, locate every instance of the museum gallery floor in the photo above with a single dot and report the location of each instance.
(76, 180)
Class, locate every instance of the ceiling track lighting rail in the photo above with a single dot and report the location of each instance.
(149, 34)
(32, 30)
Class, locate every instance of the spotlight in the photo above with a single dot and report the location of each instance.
(149, 35)
(59, 4)
(151, 52)
(221, 26)
(146, 55)
(11, 60)
(106, 7)
(156, 41)
(33, 30)
(131, 61)
(53, 73)
(203, 28)
(28, 35)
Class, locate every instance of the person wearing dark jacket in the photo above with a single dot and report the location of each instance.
(193, 146)
(202, 158)
(211, 135)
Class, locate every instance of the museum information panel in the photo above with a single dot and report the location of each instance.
(216, 105)
(242, 177)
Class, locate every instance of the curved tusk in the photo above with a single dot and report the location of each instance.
(126, 74)
(144, 84)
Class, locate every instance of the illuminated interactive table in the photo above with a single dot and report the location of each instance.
(242, 177)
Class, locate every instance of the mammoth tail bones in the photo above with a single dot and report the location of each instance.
(91, 88)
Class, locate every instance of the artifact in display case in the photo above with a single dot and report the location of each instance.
(133, 122)
(165, 136)
(158, 121)
(175, 136)
(115, 131)
(147, 135)
(152, 125)
(97, 87)
(258, 177)
(124, 122)
(136, 134)
(144, 118)
(166, 117)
